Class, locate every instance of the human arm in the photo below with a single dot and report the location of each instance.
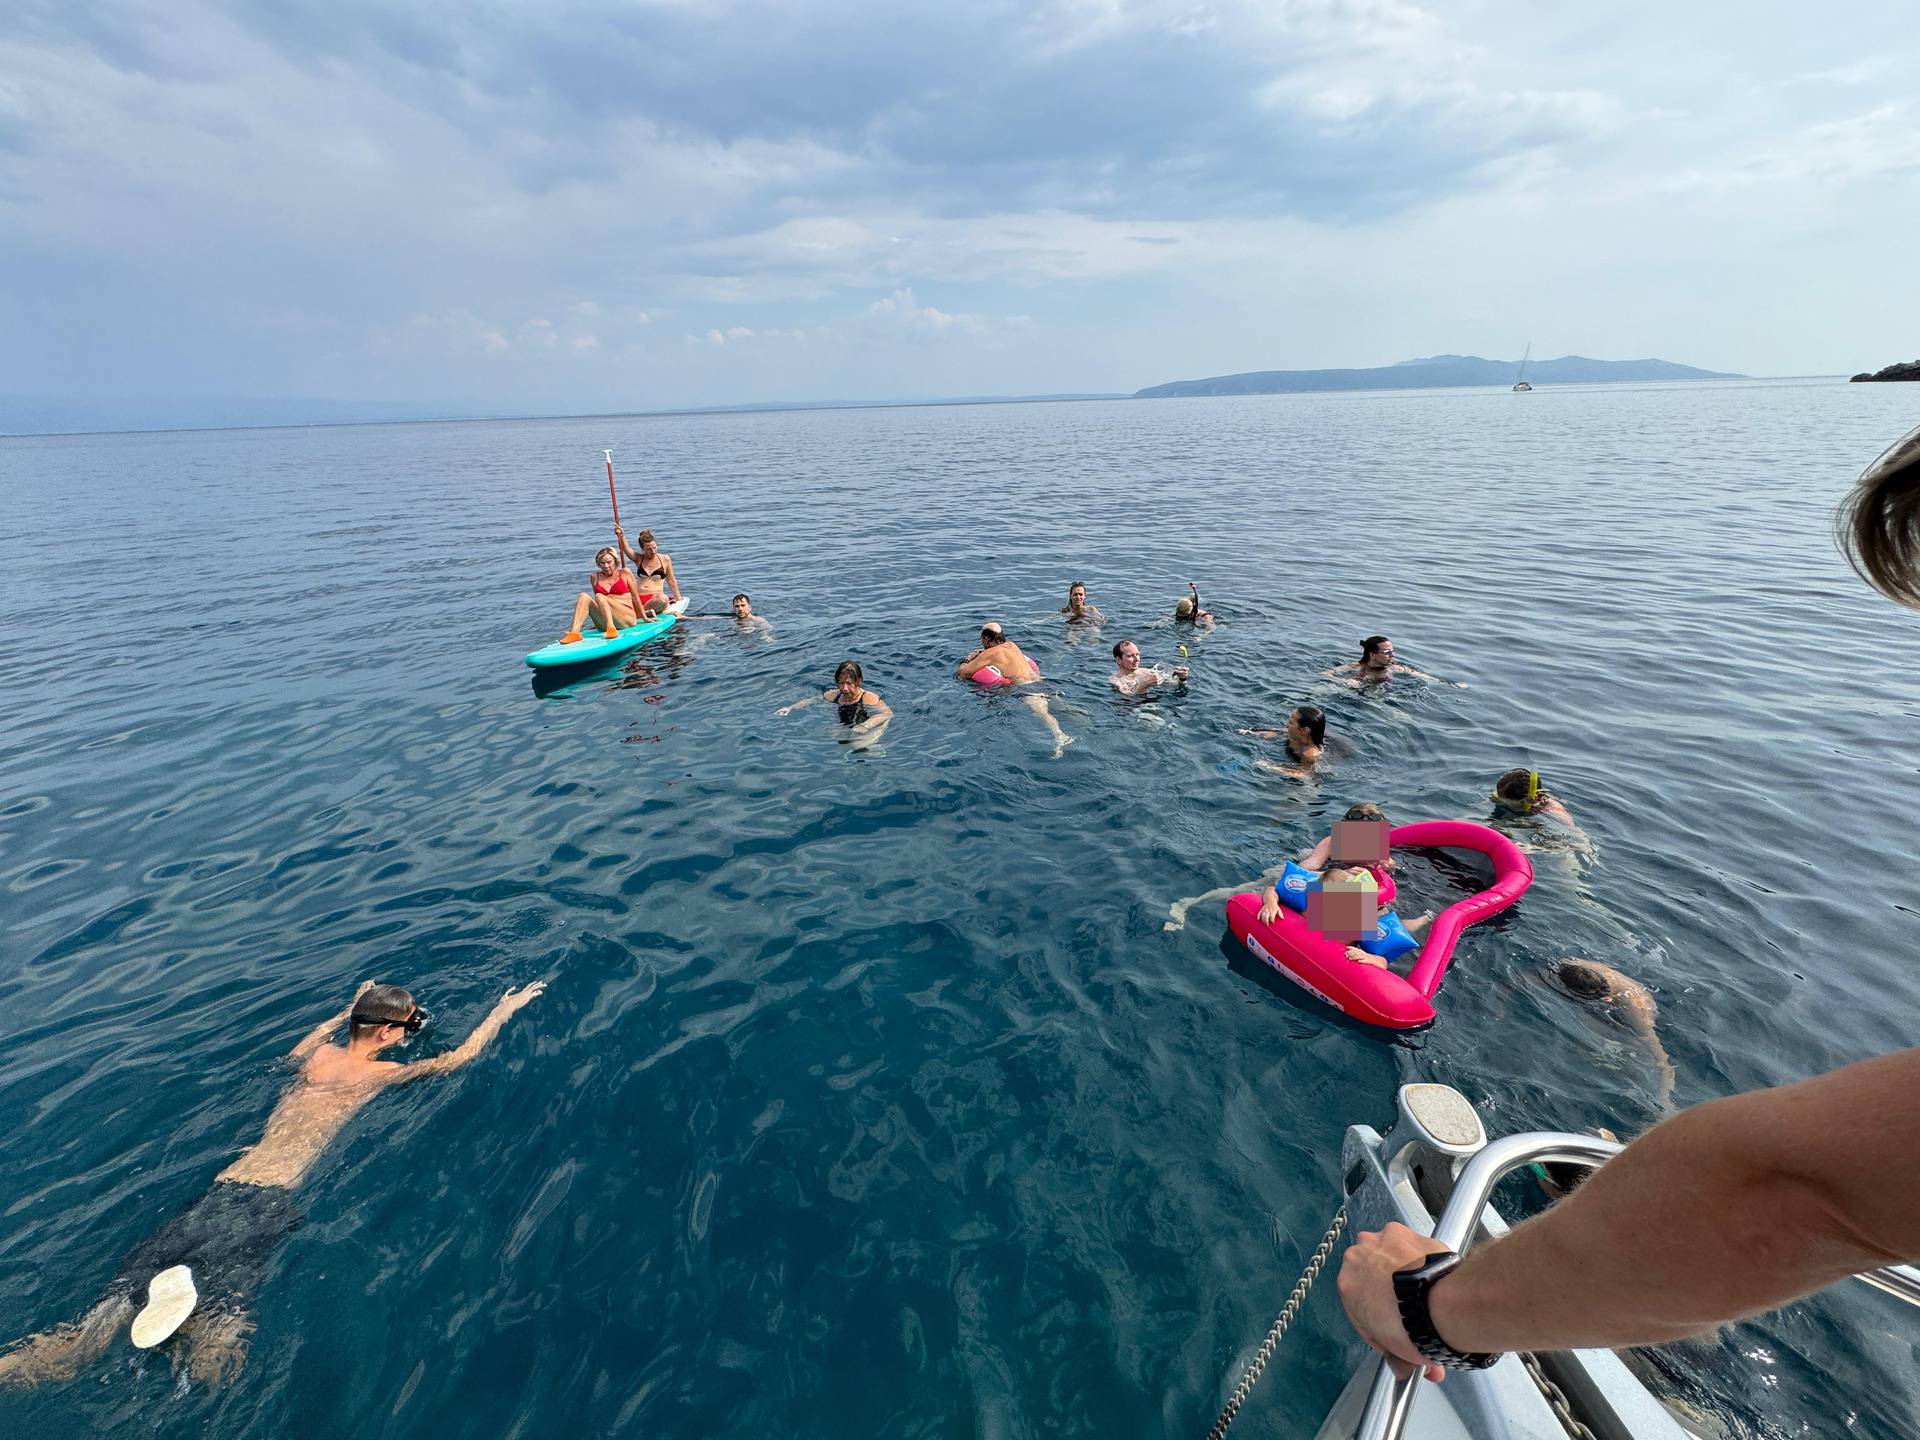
(1727, 1210)
(878, 711)
(802, 704)
(1399, 669)
(973, 662)
(317, 1036)
(481, 1037)
(673, 581)
(1270, 905)
(1261, 734)
(1316, 858)
(620, 540)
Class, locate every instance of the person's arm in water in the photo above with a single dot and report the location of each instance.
(802, 704)
(878, 712)
(1270, 905)
(1400, 669)
(973, 662)
(481, 1037)
(317, 1036)
(1264, 734)
(1729, 1209)
(1316, 858)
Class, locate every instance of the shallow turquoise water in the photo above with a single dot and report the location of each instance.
(870, 1096)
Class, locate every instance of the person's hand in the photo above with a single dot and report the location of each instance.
(1180, 672)
(1459, 684)
(1269, 909)
(515, 999)
(1193, 587)
(618, 531)
(1366, 1289)
(784, 710)
(365, 985)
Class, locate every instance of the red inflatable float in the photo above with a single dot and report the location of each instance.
(1380, 997)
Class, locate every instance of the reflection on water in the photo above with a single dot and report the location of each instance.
(870, 1095)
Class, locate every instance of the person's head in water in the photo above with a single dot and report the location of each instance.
(849, 679)
(1361, 837)
(382, 1015)
(742, 607)
(606, 559)
(1583, 980)
(991, 634)
(1126, 655)
(1519, 790)
(1306, 726)
(1183, 608)
(1077, 598)
(1366, 810)
(1376, 653)
(1879, 522)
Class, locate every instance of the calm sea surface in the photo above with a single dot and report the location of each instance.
(870, 1096)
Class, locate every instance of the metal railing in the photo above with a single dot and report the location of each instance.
(1390, 1398)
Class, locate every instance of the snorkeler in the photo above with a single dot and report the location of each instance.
(1189, 611)
(1130, 677)
(1077, 609)
(861, 708)
(1376, 663)
(998, 661)
(1305, 734)
(1629, 1002)
(199, 1270)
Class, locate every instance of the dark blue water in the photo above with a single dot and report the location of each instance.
(870, 1097)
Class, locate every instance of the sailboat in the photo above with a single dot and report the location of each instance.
(1521, 383)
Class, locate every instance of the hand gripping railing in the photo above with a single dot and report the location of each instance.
(1390, 1397)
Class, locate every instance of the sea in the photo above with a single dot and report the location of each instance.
(871, 1094)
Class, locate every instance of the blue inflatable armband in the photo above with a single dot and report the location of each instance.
(1293, 884)
(1390, 938)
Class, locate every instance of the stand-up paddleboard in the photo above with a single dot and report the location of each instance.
(597, 647)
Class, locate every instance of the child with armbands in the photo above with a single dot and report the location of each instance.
(1361, 856)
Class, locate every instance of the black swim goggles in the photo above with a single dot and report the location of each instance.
(414, 1023)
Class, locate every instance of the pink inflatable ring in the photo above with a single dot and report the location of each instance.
(1380, 997)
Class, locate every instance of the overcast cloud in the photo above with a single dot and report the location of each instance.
(590, 206)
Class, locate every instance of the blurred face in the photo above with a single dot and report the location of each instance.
(1129, 658)
(1342, 910)
(1359, 842)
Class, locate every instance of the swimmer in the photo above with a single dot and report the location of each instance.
(999, 656)
(1360, 837)
(654, 568)
(1189, 611)
(1305, 734)
(860, 708)
(614, 599)
(744, 617)
(1131, 678)
(1629, 1002)
(1364, 842)
(1077, 609)
(1376, 664)
(226, 1238)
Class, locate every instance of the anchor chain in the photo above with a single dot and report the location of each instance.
(1556, 1399)
(1286, 1317)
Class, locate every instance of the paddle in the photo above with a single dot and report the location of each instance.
(616, 501)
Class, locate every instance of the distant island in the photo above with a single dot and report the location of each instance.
(1434, 372)
(1904, 370)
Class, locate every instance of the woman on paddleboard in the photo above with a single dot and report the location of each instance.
(613, 598)
(654, 568)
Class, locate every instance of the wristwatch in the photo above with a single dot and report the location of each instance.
(1411, 1288)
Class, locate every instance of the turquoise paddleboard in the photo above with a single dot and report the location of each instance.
(597, 647)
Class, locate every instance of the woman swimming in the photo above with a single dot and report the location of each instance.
(859, 707)
(613, 598)
(1376, 664)
(1189, 611)
(1305, 734)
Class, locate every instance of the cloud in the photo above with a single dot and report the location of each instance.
(900, 314)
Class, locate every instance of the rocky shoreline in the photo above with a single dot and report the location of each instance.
(1906, 370)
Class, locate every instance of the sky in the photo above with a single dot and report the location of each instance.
(597, 205)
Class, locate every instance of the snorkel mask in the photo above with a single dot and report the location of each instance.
(414, 1023)
(1525, 807)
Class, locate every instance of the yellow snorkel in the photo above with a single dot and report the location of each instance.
(1525, 807)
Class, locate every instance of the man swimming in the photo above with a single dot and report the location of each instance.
(744, 617)
(1130, 677)
(199, 1270)
(999, 661)
(1628, 1001)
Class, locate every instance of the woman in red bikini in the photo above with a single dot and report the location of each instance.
(614, 599)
